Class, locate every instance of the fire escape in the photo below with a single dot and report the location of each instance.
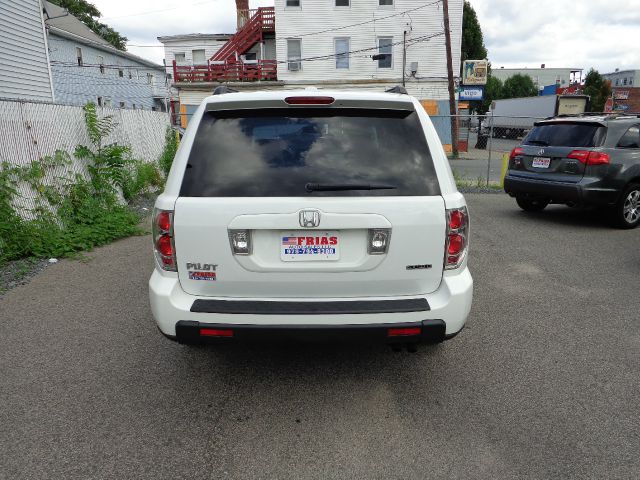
(228, 65)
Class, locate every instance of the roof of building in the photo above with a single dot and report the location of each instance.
(195, 36)
(573, 69)
(60, 22)
(628, 70)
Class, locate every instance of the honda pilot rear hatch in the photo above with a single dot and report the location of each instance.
(310, 201)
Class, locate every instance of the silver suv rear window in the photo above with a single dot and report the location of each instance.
(276, 152)
(566, 134)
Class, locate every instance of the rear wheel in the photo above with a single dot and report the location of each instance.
(531, 204)
(627, 210)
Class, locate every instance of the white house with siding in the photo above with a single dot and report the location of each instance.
(24, 60)
(85, 68)
(336, 39)
(345, 44)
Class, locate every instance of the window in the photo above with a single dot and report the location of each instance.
(130, 74)
(133, 105)
(250, 57)
(631, 138)
(343, 3)
(150, 78)
(385, 3)
(288, 147)
(630, 81)
(293, 3)
(294, 54)
(199, 57)
(122, 105)
(566, 134)
(100, 102)
(624, 81)
(179, 58)
(79, 56)
(342, 52)
(101, 63)
(107, 102)
(617, 81)
(385, 48)
(120, 71)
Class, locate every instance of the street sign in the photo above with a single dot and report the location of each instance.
(471, 93)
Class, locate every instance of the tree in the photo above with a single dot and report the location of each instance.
(88, 14)
(598, 89)
(472, 42)
(519, 86)
(492, 91)
(473, 48)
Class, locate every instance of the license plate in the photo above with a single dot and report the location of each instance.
(541, 162)
(308, 246)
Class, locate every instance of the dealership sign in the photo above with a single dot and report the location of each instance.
(474, 72)
(471, 93)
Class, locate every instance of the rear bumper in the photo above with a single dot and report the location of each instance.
(586, 192)
(449, 306)
(427, 331)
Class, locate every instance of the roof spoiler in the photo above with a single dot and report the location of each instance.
(222, 89)
(397, 89)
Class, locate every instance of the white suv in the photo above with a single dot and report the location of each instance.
(317, 214)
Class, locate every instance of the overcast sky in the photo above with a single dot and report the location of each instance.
(602, 34)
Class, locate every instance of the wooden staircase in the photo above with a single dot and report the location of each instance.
(261, 22)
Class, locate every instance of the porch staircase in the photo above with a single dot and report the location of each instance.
(262, 21)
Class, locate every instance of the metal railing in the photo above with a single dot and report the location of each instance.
(226, 71)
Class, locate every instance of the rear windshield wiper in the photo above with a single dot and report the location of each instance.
(336, 187)
(542, 143)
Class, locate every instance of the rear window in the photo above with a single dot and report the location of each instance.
(276, 152)
(566, 134)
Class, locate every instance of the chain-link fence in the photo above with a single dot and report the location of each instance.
(483, 142)
(30, 131)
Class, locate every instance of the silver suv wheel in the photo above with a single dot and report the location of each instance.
(631, 207)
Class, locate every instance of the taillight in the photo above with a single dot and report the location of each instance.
(590, 157)
(457, 240)
(515, 152)
(163, 244)
(309, 100)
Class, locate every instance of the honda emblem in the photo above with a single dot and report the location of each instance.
(309, 218)
(541, 151)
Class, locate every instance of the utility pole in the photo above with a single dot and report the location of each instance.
(452, 93)
(404, 55)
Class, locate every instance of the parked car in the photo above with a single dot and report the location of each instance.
(311, 214)
(580, 161)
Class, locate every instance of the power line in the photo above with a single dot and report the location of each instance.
(60, 63)
(422, 38)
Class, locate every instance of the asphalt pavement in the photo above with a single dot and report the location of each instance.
(543, 383)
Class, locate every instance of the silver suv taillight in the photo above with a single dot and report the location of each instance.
(457, 237)
(163, 244)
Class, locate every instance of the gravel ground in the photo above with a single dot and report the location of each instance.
(19, 272)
